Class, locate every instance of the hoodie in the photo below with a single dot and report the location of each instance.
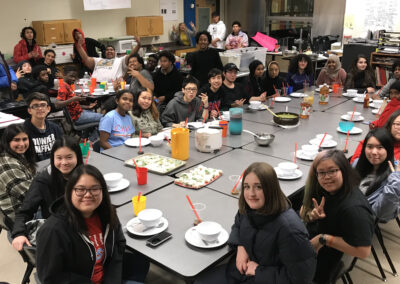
(217, 30)
(390, 108)
(67, 256)
(89, 45)
(178, 110)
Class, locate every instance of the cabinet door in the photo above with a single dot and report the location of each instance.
(156, 26)
(69, 26)
(53, 32)
(143, 26)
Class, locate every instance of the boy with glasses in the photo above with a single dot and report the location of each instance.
(43, 132)
(186, 105)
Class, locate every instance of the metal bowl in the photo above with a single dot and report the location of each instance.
(264, 139)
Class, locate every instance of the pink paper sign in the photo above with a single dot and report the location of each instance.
(265, 41)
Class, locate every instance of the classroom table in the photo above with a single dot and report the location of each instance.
(124, 153)
(176, 255)
(108, 164)
(333, 101)
(7, 119)
(349, 105)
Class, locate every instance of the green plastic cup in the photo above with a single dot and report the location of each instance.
(84, 148)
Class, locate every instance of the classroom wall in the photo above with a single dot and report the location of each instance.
(15, 14)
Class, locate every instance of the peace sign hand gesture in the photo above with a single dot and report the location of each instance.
(318, 211)
(392, 168)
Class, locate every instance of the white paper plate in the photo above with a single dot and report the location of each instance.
(136, 228)
(354, 130)
(348, 95)
(375, 111)
(193, 238)
(372, 105)
(330, 144)
(298, 95)
(347, 117)
(301, 155)
(357, 100)
(282, 99)
(297, 174)
(124, 183)
(134, 142)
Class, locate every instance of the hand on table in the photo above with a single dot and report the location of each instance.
(18, 242)
(240, 102)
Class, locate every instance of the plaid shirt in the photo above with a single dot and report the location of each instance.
(65, 93)
(15, 180)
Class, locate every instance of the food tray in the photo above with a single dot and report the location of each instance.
(198, 177)
(156, 163)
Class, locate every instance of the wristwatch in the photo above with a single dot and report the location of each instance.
(322, 239)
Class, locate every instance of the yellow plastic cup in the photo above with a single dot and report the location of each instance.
(138, 205)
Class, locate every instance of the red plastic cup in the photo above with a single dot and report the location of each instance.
(141, 174)
(224, 125)
(335, 88)
(93, 82)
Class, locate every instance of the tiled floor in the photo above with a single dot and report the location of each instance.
(365, 272)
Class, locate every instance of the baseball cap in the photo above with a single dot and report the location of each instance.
(230, 66)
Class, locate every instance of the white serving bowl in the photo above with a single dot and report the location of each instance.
(378, 103)
(255, 103)
(156, 140)
(113, 179)
(150, 217)
(209, 230)
(287, 168)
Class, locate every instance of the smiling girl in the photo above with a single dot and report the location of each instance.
(332, 72)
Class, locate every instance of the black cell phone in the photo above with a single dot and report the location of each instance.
(158, 239)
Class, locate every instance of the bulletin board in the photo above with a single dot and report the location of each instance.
(91, 5)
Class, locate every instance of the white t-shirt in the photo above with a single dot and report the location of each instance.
(217, 30)
(109, 69)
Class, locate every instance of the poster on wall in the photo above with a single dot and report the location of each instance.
(169, 10)
(91, 5)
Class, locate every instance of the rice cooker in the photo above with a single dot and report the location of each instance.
(208, 140)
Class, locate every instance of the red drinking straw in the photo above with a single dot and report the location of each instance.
(194, 210)
(240, 178)
(322, 141)
(305, 85)
(347, 139)
(275, 89)
(295, 153)
(84, 142)
(352, 115)
(216, 107)
(87, 157)
(273, 100)
(204, 119)
(186, 122)
(283, 87)
(138, 197)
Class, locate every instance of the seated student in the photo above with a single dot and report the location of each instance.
(40, 74)
(116, 126)
(255, 85)
(213, 91)
(167, 79)
(42, 132)
(8, 79)
(361, 76)
(396, 77)
(17, 168)
(300, 71)
(145, 116)
(151, 64)
(49, 62)
(183, 36)
(205, 59)
(393, 126)
(343, 219)
(89, 45)
(80, 114)
(390, 108)
(272, 81)
(27, 84)
(380, 182)
(236, 39)
(270, 239)
(185, 105)
(332, 72)
(234, 93)
(82, 240)
(46, 187)
(27, 49)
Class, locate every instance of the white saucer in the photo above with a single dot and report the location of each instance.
(330, 144)
(348, 95)
(300, 155)
(193, 238)
(297, 174)
(357, 100)
(372, 105)
(354, 130)
(375, 111)
(124, 183)
(134, 142)
(317, 90)
(282, 99)
(298, 95)
(259, 107)
(135, 227)
(347, 117)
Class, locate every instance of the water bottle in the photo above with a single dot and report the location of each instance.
(86, 79)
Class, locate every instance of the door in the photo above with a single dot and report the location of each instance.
(204, 9)
(53, 32)
(69, 26)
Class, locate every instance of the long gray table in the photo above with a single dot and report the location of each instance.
(176, 255)
(349, 106)
(108, 164)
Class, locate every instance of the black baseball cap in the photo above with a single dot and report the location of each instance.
(230, 66)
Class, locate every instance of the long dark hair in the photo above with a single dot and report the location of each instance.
(389, 123)
(255, 83)
(364, 167)
(314, 190)
(105, 211)
(369, 72)
(275, 200)
(57, 177)
(294, 64)
(28, 158)
(137, 110)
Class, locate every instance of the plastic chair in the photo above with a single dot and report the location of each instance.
(81, 130)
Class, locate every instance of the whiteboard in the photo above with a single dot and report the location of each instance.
(90, 5)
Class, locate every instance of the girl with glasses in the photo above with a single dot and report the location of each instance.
(337, 214)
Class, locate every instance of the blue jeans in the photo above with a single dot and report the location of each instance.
(88, 116)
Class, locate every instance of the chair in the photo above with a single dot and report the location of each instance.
(342, 270)
(82, 130)
(378, 234)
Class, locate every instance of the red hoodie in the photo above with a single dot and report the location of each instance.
(83, 36)
(21, 51)
(390, 108)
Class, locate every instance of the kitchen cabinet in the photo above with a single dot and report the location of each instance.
(145, 26)
(56, 31)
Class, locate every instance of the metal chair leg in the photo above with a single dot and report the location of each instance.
(349, 280)
(378, 263)
(344, 279)
(27, 274)
(385, 252)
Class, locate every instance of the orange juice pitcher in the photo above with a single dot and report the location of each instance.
(180, 143)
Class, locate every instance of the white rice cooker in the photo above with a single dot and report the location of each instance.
(208, 139)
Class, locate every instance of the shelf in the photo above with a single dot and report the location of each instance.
(382, 63)
(385, 54)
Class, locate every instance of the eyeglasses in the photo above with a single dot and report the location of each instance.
(81, 191)
(396, 125)
(36, 106)
(330, 173)
(191, 90)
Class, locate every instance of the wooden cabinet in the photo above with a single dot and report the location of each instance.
(57, 31)
(145, 26)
